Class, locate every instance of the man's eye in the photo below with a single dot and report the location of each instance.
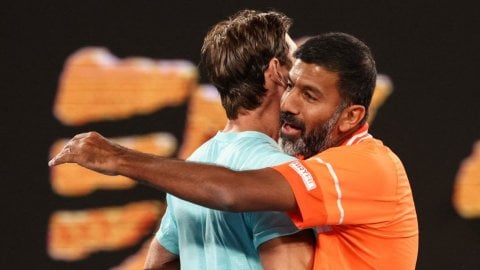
(308, 96)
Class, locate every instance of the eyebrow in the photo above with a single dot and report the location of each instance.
(307, 87)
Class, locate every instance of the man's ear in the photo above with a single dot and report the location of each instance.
(351, 117)
(273, 72)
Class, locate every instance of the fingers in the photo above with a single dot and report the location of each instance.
(56, 161)
(66, 155)
(63, 157)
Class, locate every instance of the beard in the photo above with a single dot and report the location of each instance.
(308, 144)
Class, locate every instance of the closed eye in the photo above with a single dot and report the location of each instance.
(309, 96)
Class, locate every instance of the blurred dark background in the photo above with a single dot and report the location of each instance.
(430, 50)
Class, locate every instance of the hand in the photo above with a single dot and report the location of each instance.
(92, 151)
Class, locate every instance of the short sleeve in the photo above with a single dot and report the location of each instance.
(311, 205)
(167, 234)
(269, 225)
(349, 185)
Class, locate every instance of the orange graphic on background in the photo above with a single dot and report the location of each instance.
(466, 191)
(73, 235)
(383, 89)
(97, 86)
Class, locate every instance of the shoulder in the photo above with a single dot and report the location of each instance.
(206, 151)
(255, 150)
(371, 150)
(368, 159)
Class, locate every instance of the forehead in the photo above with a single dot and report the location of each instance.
(313, 75)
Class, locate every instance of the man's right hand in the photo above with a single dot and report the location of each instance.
(92, 151)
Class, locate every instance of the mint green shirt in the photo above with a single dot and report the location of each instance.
(210, 239)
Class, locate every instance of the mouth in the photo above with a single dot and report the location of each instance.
(291, 130)
(291, 126)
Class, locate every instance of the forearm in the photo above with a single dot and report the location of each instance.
(207, 185)
(210, 186)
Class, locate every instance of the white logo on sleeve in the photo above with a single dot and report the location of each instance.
(304, 174)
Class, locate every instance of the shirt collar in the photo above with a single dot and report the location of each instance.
(359, 135)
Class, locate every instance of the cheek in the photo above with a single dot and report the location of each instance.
(314, 120)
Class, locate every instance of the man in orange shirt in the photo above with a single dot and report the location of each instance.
(351, 188)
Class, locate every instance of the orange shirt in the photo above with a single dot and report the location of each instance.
(358, 199)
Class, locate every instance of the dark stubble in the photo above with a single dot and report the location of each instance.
(312, 143)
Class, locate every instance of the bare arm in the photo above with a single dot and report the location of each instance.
(158, 258)
(207, 185)
(288, 252)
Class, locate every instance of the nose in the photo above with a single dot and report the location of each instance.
(289, 102)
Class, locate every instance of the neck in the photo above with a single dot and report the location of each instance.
(264, 119)
(254, 122)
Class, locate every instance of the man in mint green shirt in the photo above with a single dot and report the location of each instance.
(247, 58)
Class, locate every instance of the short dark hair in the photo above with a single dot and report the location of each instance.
(236, 53)
(347, 56)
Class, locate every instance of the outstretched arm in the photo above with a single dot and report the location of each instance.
(208, 185)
